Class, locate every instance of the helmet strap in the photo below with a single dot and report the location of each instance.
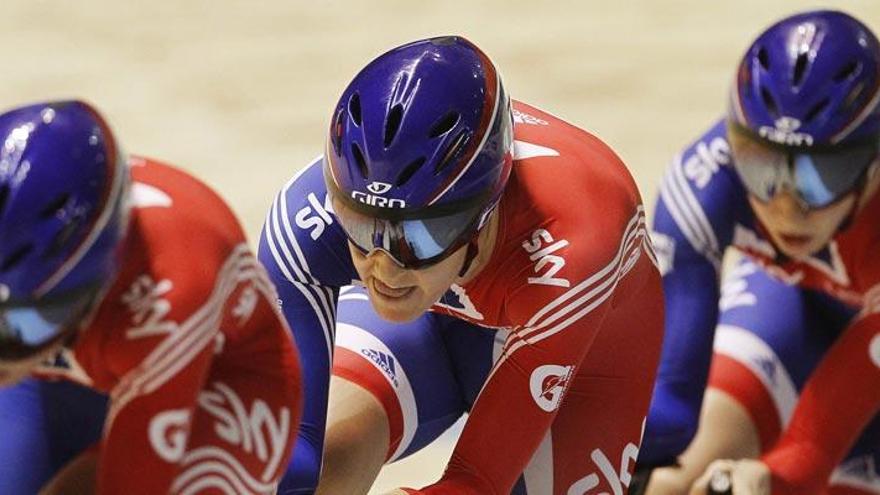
(473, 250)
(859, 193)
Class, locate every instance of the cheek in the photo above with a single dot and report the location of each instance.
(361, 263)
(828, 221)
(763, 211)
(437, 279)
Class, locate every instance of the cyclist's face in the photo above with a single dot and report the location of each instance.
(400, 294)
(796, 231)
(800, 232)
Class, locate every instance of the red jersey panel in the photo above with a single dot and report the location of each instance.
(201, 370)
(841, 396)
(573, 279)
(848, 269)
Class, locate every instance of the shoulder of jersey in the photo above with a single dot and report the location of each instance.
(570, 205)
(161, 188)
(184, 243)
(707, 158)
(302, 234)
(181, 222)
(559, 163)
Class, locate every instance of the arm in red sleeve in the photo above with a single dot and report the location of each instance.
(542, 356)
(837, 403)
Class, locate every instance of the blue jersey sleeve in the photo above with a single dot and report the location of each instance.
(700, 197)
(306, 255)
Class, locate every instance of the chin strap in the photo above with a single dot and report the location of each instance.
(473, 248)
(472, 251)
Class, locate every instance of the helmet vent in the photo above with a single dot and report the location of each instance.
(61, 239)
(354, 109)
(392, 123)
(847, 71)
(410, 169)
(453, 151)
(359, 159)
(53, 208)
(800, 67)
(853, 96)
(444, 124)
(769, 102)
(14, 258)
(4, 193)
(817, 108)
(764, 59)
(337, 132)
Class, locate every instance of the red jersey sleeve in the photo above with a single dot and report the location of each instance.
(162, 358)
(556, 326)
(201, 369)
(836, 404)
(571, 278)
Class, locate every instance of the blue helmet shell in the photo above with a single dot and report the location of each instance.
(810, 79)
(427, 123)
(63, 207)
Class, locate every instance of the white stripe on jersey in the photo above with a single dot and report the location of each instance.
(858, 472)
(523, 150)
(589, 294)
(356, 339)
(634, 228)
(304, 288)
(212, 481)
(694, 204)
(538, 474)
(193, 335)
(326, 301)
(749, 350)
(688, 214)
(649, 249)
(211, 462)
(319, 298)
(353, 296)
(324, 295)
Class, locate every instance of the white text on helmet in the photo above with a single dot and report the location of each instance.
(784, 132)
(379, 201)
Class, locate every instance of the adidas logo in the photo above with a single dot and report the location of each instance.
(384, 362)
(524, 118)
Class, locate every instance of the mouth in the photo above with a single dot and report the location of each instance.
(795, 240)
(389, 292)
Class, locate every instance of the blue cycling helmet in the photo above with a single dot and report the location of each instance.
(804, 107)
(63, 213)
(419, 150)
(820, 68)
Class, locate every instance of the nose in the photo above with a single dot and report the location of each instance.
(787, 204)
(385, 267)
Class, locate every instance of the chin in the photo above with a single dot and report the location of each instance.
(397, 315)
(797, 252)
(402, 311)
(7, 379)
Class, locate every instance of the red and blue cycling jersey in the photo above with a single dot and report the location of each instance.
(201, 371)
(571, 280)
(702, 210)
